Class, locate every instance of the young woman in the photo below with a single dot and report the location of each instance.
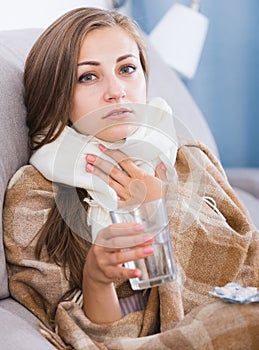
(91, 65)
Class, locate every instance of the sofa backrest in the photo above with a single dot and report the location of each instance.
(14, 47)
(165, 82)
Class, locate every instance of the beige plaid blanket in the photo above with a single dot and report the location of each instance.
(214, 241)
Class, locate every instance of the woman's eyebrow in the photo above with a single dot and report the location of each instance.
(95, 63)
(121, 58)
(90, 63)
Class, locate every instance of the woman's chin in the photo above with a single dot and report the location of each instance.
(117, 133)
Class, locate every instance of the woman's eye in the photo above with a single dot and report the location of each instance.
(127, 69)
(87, 77)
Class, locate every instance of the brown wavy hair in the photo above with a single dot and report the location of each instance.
(49, 80)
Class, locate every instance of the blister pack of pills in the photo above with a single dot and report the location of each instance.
(234, 293)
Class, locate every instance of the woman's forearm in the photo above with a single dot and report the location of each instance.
(101, 304)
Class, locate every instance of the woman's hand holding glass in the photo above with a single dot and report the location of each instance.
(106, 257)
(104, 264)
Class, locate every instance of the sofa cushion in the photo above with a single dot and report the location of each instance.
(14, 46)
(245, 178)
(15, 308)
(17, 333)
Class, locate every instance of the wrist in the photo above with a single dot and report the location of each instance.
(95, 283)
(93, 278)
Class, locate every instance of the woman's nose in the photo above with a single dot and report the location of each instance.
(114, 90)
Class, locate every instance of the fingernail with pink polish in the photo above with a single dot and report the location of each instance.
(148, 250)
(90, 158)
(137, 273)
(90, 168)
(102, 148)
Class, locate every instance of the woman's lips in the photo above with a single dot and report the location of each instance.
(117, 114)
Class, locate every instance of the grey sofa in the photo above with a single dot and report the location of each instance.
(19, 329)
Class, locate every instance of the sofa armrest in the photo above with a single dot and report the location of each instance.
(247, 179)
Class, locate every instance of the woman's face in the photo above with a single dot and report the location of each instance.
(110, 76)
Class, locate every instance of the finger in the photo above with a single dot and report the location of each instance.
(121, 191)
(121, 256)
(90, 168)
(112, 266)
(112, 172)
(115, 272)
(124, 161)
(121, 229)
(104, 165)
(115, 237)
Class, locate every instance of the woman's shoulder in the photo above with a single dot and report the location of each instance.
(28, 199)
(196, 155)
(28, 177)
(28, 188)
